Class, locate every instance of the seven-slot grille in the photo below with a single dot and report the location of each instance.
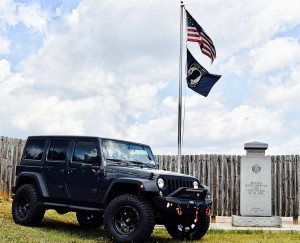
(174, 184)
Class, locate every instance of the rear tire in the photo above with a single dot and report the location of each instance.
(90, 219)
(129, 218)
(27, 206)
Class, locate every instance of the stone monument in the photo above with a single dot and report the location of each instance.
(256, 189)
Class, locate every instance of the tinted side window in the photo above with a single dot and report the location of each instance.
(58, 150)
(84, 149)
(34, 149)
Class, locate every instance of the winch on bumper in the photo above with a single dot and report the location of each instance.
(184, 201)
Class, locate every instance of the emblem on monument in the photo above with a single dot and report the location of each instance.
(256, 168)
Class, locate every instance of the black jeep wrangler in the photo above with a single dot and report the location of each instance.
(111, 182)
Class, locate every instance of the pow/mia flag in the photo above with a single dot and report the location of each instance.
(198, 79)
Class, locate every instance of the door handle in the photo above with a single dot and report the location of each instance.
(48, 167)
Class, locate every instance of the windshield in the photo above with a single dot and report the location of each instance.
(128, 152)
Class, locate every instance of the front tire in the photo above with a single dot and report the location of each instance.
(193, 231)
(129, 218)
(90, 219)
(27, 207)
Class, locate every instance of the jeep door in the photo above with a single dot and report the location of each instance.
(55, 167)
(83, 170)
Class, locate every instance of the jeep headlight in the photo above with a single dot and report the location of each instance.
(160, 183)
(195, 184)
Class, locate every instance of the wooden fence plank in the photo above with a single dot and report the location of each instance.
(1, 164)
(274, 184)
(235, 197)
(296, 171)
(279, 186)
(220, 188)
(238, 183)
(197, 167)
(10, 154)
(214, 173)
(283, 181)
(289, 189)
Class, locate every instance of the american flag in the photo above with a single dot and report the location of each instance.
(195, 33)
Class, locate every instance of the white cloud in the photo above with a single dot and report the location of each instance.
(7, 13)
(240, 25)
(4, 45)
(4, 69)
(51, 115)
(208, 125)
(224, 126)
(281, 91)
(277, 54)
(30, 14)
(9, 81)
(110, 68)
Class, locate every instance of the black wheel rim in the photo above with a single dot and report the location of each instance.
(185, 228)
(126, 220)
(185, 231)
(24, 206)
(89, 217)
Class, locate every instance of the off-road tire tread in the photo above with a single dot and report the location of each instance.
(146, 224)
(36, 213)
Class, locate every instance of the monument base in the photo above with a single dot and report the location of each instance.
(242, 221)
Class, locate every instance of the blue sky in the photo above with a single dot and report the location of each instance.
(110, 68)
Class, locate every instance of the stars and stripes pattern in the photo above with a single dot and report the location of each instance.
(195, 33)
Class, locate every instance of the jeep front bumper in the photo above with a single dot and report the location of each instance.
(184, 201)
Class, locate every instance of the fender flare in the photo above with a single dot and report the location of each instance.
(147, 185)
(38, 178)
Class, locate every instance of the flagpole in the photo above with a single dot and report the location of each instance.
(180, 90)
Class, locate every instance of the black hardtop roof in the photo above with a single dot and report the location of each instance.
(82, 136)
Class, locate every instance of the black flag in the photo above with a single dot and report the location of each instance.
(198, 78)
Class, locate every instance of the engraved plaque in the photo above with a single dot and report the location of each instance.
(256, 185)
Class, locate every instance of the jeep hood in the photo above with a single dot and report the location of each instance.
(138, 172)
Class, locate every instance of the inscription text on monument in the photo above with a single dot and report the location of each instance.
(256, 185)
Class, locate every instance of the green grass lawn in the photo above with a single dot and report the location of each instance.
(64, 228)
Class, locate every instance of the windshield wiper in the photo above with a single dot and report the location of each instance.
(139, 163)
(119, 161)
(127, 162)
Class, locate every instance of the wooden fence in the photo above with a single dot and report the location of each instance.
(10, 153)
(220, 172)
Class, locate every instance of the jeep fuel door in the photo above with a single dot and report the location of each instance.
(83, 170)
